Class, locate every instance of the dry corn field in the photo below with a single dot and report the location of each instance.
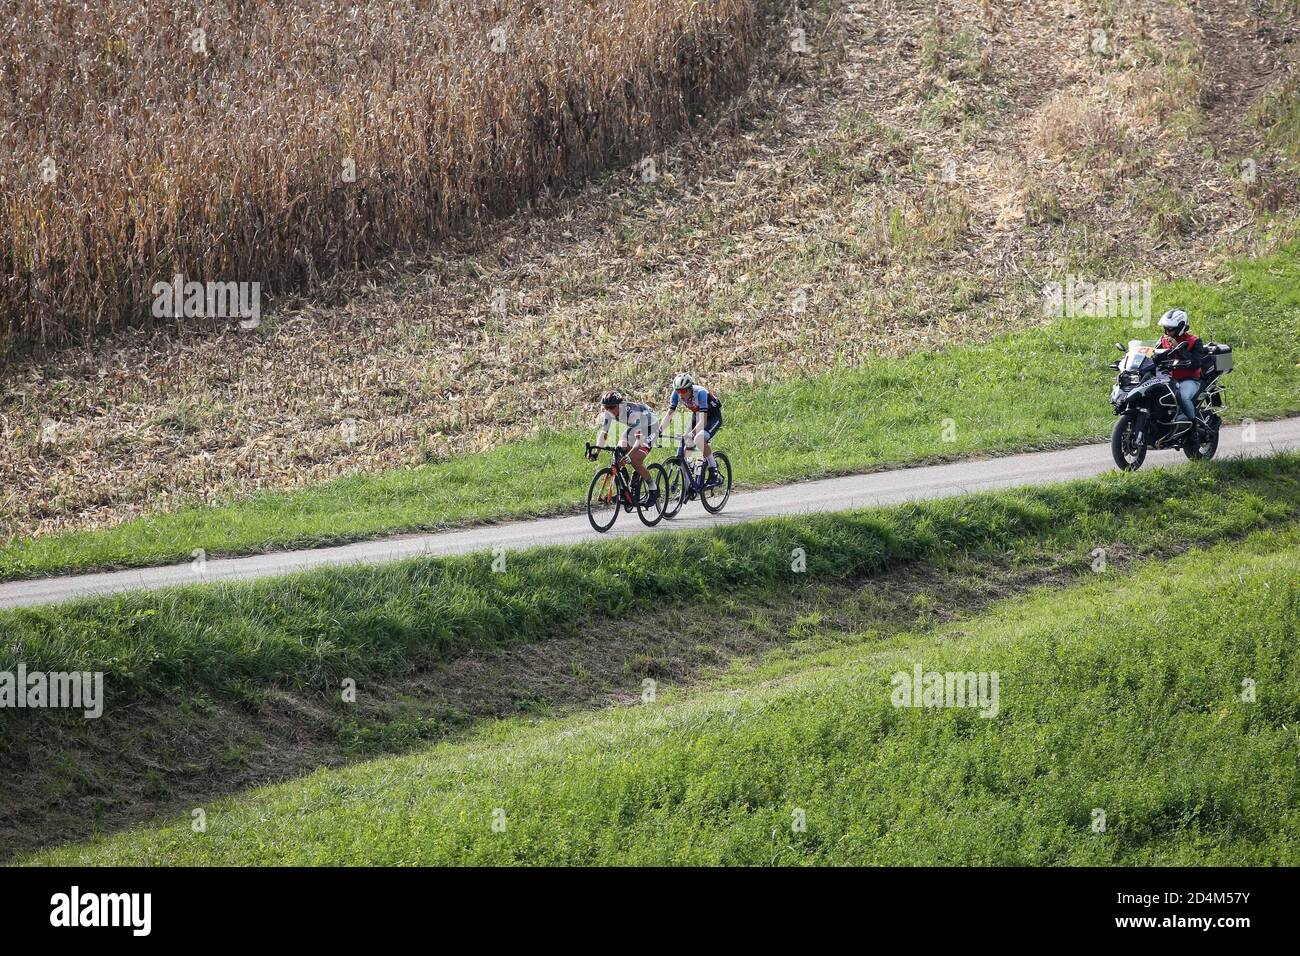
(896, 175)
(278, 141)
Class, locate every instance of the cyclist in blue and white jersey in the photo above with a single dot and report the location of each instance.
(706, 419)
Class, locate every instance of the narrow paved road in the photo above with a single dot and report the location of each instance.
(834, 494)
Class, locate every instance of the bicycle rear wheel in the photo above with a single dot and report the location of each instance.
(715, 498)
(674, 489)
(652, 514)
(603, 500)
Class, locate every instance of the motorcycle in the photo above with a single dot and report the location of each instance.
(1146, 400)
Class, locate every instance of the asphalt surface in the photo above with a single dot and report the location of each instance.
(833, 494)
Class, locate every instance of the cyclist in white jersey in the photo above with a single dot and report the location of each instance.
(640, 428)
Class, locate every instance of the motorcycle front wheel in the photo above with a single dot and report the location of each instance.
(1124, 446)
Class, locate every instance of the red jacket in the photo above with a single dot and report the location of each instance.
(1167, 343)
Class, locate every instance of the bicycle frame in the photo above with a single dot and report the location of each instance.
(696, 475)
(622, 483)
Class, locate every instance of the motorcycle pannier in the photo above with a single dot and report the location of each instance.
(1223, 359)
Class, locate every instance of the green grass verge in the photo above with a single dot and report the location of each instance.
(312, 630)
(1032, 389)
(1124, 694)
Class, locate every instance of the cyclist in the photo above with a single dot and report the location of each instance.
(706, 419)
(640, 428)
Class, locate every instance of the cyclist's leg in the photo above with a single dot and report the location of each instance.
(621, 459)
(638, 455)
(703, 455)
(704, 436)
(694, 445)
(712, 425)
(624, 453)
(702, 443)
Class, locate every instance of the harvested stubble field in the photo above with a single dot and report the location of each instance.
(909, 181)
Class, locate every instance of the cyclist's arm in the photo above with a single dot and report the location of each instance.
(672, 407)
(669, 413)
(603, 432)
(693, 427)
(694, 424)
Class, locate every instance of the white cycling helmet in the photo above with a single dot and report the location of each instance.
(683, 380)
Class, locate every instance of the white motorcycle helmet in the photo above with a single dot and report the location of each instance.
(1174, 323)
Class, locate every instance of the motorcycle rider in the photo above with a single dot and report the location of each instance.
(1187, 381)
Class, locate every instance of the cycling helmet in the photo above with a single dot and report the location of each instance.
(1174, 323)
(683, 380)
(610, 399)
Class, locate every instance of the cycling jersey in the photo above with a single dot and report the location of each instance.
(699, 400)
(634, 417)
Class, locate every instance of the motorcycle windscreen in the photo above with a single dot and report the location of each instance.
(1138, 353)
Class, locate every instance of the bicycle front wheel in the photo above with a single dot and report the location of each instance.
(652, 514)
(674, 489)
(714, 497)
(602, 500)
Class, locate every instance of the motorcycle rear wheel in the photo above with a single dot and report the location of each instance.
(1124, 447)
(1206, 449)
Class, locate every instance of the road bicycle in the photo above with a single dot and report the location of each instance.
(688, 480)
(617, 487)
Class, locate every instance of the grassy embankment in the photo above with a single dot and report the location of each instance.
(213, 690)
(1125, 694)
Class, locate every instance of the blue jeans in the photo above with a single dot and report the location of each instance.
(1187, 389)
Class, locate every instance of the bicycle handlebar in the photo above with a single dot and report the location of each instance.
(657, 443)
